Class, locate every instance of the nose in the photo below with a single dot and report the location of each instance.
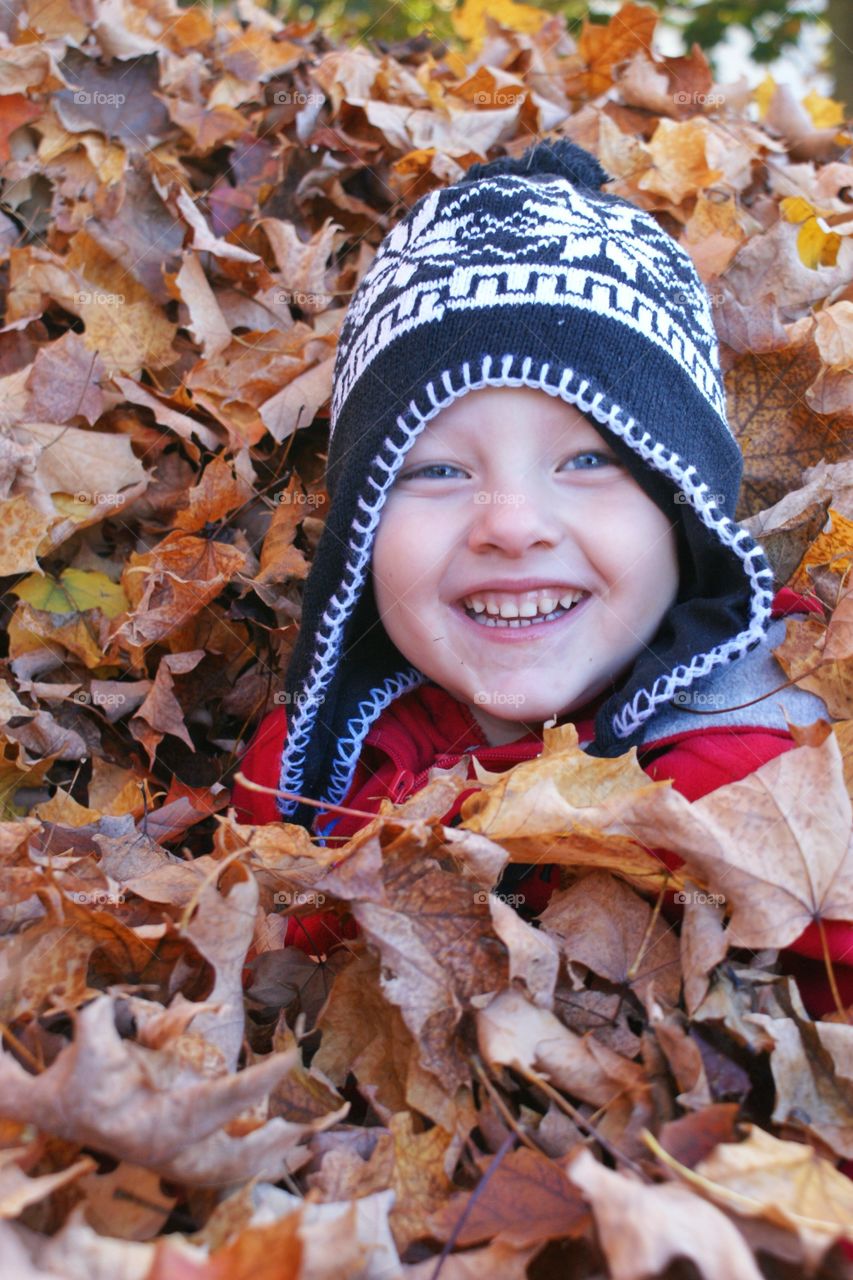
(513, 519)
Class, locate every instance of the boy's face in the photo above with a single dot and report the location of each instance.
(512, 493)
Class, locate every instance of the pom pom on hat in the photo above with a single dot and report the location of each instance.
(559, 157)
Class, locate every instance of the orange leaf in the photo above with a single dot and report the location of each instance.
(15, 110)
(604, 45)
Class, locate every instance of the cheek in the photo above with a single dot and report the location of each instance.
(397, 560)
(639, 549)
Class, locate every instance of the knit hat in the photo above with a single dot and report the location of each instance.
(523, 273)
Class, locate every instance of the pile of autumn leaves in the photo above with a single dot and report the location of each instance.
(604, 1092)
(613, 1092)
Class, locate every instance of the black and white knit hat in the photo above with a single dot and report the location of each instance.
(523, 273)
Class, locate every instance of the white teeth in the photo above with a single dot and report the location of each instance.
(521, 608)
(527, 613)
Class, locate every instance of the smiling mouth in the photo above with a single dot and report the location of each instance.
(494, 620)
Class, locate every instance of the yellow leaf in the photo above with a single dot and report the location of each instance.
(825, 112)
(817, 245)
(796, 209)
(469, 21)
(63, 809)
(763, 93)
(76, 590)
(456, 63)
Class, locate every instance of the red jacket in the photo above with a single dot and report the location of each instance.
(428, 727)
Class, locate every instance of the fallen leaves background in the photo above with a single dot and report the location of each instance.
(189, 200)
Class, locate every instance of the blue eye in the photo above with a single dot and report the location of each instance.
(593, 453)
(432, 466)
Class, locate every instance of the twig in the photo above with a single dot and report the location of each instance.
(580, 1120)
(507, 1115)
(505, 1146)
(20, 1048)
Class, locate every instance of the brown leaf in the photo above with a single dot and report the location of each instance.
(526, 1201)
(776, 845)
(642, 1229)
(173, 582)
(601, 923)
(533, 956)
(802, 657)
(64, 381)
(812, 1064)
(434, 940)
(778, 433)
(149, 1108)
(420, 1181)
(513, 1032)
(573, 805)
(703, 944)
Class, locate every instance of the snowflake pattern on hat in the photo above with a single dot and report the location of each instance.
(556, 247)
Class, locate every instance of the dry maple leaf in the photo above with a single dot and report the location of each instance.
(575, 810)
(779, 434)
(783, 1182)
(776, 845)
(642, 1229)
(527, 1200)
(513, 1032)
(601, 923)
(602, 46)
(178, 268)
(143, 1106)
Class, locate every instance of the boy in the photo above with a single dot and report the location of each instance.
(532, 486)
